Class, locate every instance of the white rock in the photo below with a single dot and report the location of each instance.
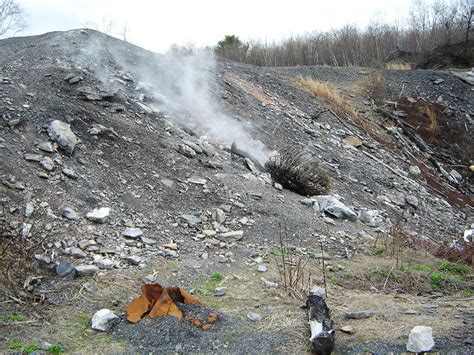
(104, 320)
(98, 215)
(29, 209)
(262, 268)
(420, 339)
(414, 170)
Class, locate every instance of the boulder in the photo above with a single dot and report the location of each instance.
(331, 205)
(420, 339)
(104, 320)
(61, 133)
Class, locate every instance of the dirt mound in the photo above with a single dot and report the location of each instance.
(459, 55)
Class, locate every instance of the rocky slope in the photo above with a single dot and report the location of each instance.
(116, 166)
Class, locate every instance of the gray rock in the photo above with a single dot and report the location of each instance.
(86, 270)
(105, 264)
(134, 259)
(456, 175)
(170, 253)
(331, 205)
(76, 252)
(398, 199)
(66, 269)
(29, 209)
(231, 236)
(197, 180)
(70, 173)
(269, 284)
(420, 339)
(68, 213)
(148, 241)
(190, 219)
(47, 163)
(193, 146)
(186, 151)
(254, 317)
(61, 133)
(262, 268)
(104, 320)
(438, 81)
(414, 171)
(220, 291)
(412, 200)
(32, 157)
(359, 314)
(132, 233)
(46, 147)
(218, 215)
(98, 215)
(371, 218)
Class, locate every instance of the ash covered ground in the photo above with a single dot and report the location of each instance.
(89, 122)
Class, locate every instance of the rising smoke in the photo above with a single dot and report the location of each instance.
(185, 92)
(178, 83)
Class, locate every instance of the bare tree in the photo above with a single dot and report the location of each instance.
(11, 17)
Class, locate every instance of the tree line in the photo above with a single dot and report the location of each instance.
(429, 25)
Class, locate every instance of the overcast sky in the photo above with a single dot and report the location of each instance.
(157, 24)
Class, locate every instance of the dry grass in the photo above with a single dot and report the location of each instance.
(398, 66)
(297, 171)
(433, 120)
(330, 94)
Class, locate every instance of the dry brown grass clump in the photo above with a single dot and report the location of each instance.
(297, 171)
(398, 66)
(333, 97)
(433, 120)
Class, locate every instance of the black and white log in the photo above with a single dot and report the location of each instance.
(322, 334)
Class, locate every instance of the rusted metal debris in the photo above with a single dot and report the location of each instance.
(158, 301)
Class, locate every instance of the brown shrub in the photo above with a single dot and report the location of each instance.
(297, 171)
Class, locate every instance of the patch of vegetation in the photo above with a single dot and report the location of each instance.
(55, 349)
(437, 279)
(453, 268)
(421, 267)
(216, 277)
(379, 251)
(278, 252)
(467, 293)
(396, 277)
(376, 271)
(16, 318)
(15, 346)
(30, 348)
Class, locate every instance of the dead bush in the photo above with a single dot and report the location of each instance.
(297, 171)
